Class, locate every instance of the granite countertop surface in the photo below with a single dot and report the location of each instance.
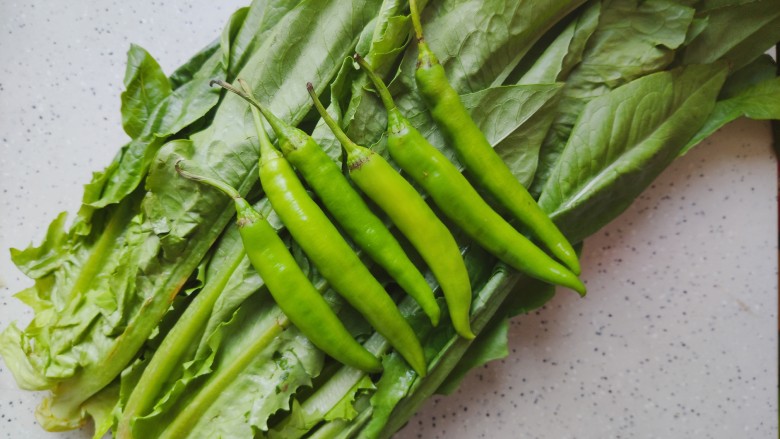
(677, 337)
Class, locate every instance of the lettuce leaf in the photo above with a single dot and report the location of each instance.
(231, 365)
(736, 32)
(622, 141)
(631, 39)
(754, 94)
(145, 87)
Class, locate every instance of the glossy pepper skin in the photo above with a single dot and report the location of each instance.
(476, 154)
(330, 253)
(460, 202)
(414, 218)
(348, 208)
(288, 285)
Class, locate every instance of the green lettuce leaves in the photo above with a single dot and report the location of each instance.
(622, 141)
(586, 101)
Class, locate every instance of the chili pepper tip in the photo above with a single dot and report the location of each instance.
(309, 86)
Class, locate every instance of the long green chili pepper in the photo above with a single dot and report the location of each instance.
(476, 153)
(347, 206)
(330, 253)
(459, 201)
(291, 289)
(413, 217)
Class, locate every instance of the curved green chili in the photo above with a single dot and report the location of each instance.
(330, 253)
(291, 289)
(478, 156)
(347, 206)
(459, 201)
(413, 217)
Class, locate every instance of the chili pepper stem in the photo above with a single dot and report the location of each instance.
(226, 86)
(246, 215)
(227, 189)
(276, 124)
(340, 135)
(381, 88)
(354, 151)
(267, 150)
(416, 20)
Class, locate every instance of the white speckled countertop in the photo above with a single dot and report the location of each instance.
(676, 339)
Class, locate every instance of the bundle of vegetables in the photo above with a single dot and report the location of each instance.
(149, 317)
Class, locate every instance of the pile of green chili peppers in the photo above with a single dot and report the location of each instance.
(336, 260)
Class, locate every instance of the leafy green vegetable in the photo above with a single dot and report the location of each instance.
(520, 148)
(187, 71)
(264, 378)
(179, 109)
(486, 303)
(333, 399)
(580, 99)
(622, 141)
(145, 86)
(737, 31)
(556, 58)
(744, 98)
(235, 24)
(631, 39)
(255, 28)
(232, 263)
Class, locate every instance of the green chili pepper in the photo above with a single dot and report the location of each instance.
(484, 164)
(347, 206)
(459, 201)
(291, 289)
(330, 253)
(413, 217)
